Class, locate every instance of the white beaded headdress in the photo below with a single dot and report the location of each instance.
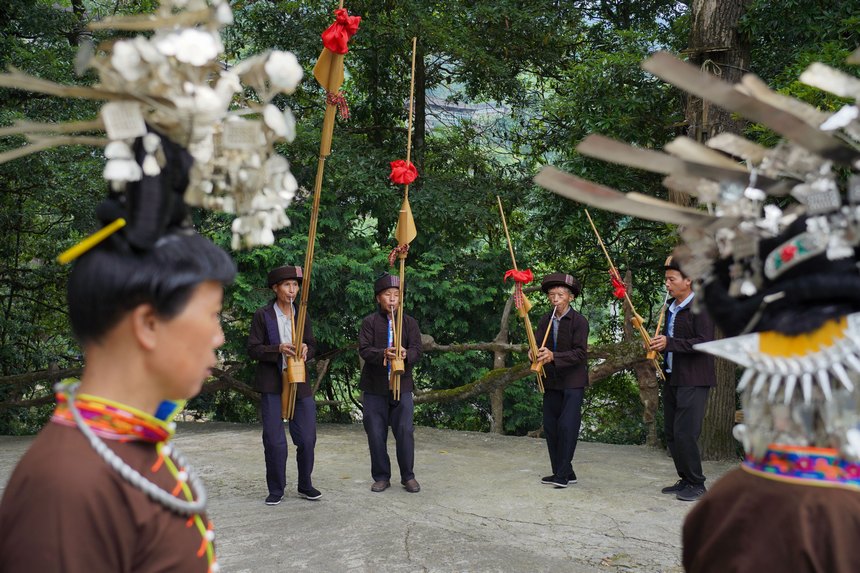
(171, 80)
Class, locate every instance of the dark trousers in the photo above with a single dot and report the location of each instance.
(379, 413)
(562, 417)
(683, 412)
(303, 431)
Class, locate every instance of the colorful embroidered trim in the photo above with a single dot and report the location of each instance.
(113, 421)
(807, 466)
(793, 252)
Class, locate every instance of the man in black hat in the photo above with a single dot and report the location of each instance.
(689, 377)
(564, 359)
(376, 346)
(270, 342)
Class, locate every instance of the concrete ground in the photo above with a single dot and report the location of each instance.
(481, 506)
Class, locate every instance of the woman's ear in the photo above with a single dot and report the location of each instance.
(144, 322)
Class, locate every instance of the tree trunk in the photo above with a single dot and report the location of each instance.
(716, 46)
(717, 441)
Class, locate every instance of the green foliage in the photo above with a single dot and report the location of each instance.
(46, 204)
(523, 412)
(786, 33)
(612, 412)
(554, 72)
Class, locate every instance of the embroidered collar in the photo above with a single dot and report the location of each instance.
(99, 418)
(113, 421)
(800, 465)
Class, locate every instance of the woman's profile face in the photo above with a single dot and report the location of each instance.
(185, 352)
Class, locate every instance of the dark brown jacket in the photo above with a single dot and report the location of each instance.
(65, 509)
(689, 366)
(262, 346)
(569, 367)
(372, 342)
(751, 524)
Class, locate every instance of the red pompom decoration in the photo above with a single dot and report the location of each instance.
(337, 36)
(524, 276)
(403, 172)
(520, 278)
(619, 289)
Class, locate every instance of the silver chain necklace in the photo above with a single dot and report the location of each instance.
(131, 475)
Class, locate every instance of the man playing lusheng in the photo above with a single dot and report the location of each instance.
(689, 377)
(270, 342)
(564, 358)
(376, 347)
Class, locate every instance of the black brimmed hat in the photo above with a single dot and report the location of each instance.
(561, 279)
(385, 282)
(285, 273)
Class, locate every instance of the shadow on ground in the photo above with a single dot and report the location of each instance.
(481, 507)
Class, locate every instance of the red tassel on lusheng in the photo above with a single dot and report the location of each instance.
(403, 172)
(520, 278)
(619, 289)
(524, 276)
(392, 256)
(339, 100)
(336, 37)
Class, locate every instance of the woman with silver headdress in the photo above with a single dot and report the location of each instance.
(102, 488)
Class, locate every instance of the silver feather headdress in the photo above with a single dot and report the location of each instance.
(773, 247)
(168, 82)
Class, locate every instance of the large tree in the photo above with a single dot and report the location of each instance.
(502, 87)
(716, 46)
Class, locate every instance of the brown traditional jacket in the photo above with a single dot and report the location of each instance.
(569, 367)
(66, 510)
(372, 342)
(262, 346)
(751, 524)
(689, 366)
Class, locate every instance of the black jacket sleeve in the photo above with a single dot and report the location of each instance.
(258, 341)
(366, 349)
(414, 349)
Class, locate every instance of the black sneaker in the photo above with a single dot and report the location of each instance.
(274, 499)
(310, 493)
(571, 479)
(547, 480)
(559, 481)
(676, 487)
(692, 492)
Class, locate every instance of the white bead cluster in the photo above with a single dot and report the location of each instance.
(172, 81)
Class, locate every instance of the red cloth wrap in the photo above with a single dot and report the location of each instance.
(403, 172)
(337, 36)
(619, 289)
(339, 100)
(392, 256)
(520, 278)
